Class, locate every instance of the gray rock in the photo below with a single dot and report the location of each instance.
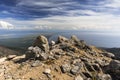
(93, 53)
(30, 48)
(42, 42)
(114, 65)
(96, 67)
(52, 43)
(50, 57)
(47, 71)
(78, 62)
(58, 52)
(114, 69)
(74, 38)
(3, 59)
(104, 77)
(32, 79)
(33, 52)
(43, 56)
(87, 74)
(68, 47)
(101, 62)
(110, 55)
(36, 53)
(57, 56)
(84, 59)
(88, 79)
(36, 63)
(70, 54)
(65, 68)
(89, 66)
(9, 57)
(29, 55)
(36, 50)
(75, 70)
(79, 43)
(78, 77)
(62, 39)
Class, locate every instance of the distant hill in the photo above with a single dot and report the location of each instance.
(4, 51)
(20, 44)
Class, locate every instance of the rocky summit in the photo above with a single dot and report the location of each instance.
(64, 59)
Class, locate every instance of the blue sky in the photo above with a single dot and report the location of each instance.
(60, 14)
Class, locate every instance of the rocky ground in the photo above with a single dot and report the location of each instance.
(65, 59)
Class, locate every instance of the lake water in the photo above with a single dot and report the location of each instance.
(99, 39)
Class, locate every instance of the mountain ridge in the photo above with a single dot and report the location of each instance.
(64, 59)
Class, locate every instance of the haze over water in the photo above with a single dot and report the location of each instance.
(97, 38)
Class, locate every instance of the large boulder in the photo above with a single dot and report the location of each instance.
(33, 52)
(114, 69)
(36, 53)
(42, 42)
(114, 65)
(74, 38)
(110, 55)
(62, 39)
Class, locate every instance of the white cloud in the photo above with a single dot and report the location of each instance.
(76, 19)
(101, 22)
(42, 27)
(34, 3)
(45, 3)
(6, 25)
(85, 12)
(112, 3)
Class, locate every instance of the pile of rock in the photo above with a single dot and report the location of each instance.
(71, 59)
(114, 69)
(84, 62)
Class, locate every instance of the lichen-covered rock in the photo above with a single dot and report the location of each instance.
(79, 77)
(43, 56)
(74, 38)
(62, 39)
(115, 65)
(36, 63)
(36, 53)
(89, 66)
(114, 69)
(104, 77)
(33, 52)
(42, 42)
(97, 67)
(9, 57)
(47, 71)
(75, 70)
(65, 68)
(107, 54)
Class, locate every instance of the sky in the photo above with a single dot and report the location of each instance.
(60, 15)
